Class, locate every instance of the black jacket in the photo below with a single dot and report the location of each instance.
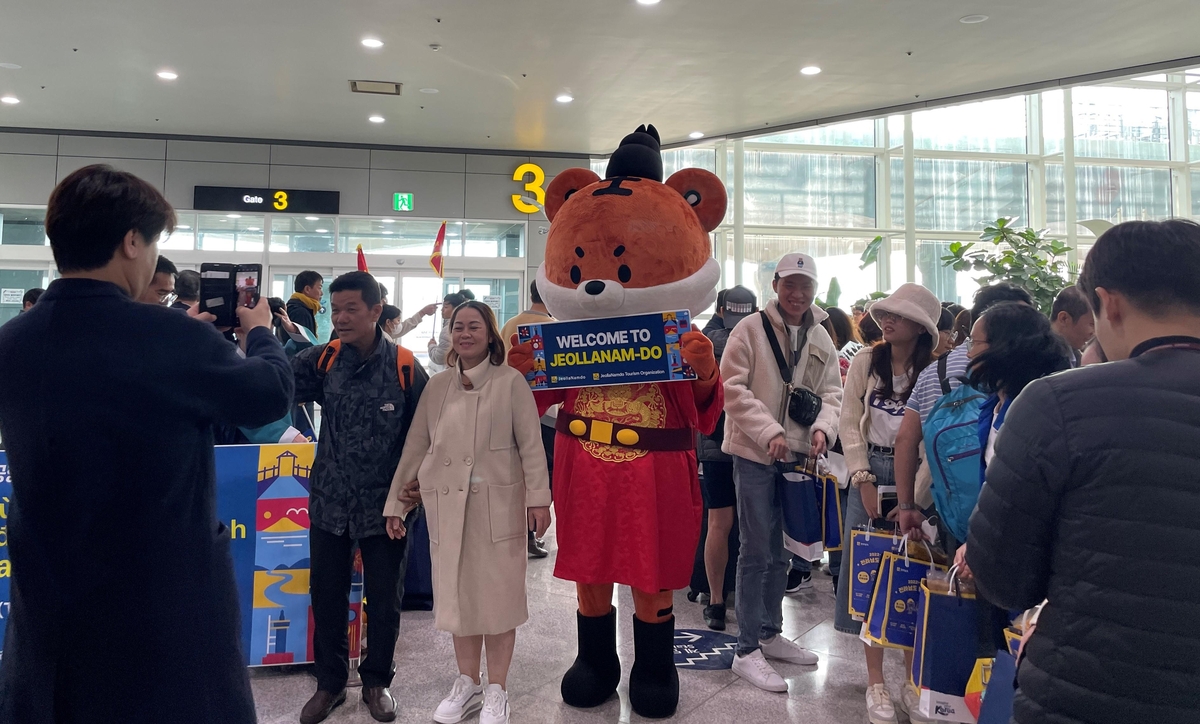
(1093, 502)
(124, 606)
(708, 447)
(299, 313)
(365, 417)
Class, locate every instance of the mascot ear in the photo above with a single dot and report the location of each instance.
(704, 192)
(567, 183)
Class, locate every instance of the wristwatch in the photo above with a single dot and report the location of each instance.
(908, 506)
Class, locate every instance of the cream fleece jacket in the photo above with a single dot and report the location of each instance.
(755, 408)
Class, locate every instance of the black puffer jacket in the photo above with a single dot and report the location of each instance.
(1093, 503)
(708, 447)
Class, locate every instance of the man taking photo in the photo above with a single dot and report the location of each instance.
(124, 606)
(368, 390)
(761, 429)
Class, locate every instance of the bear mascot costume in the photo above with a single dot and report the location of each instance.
(626, 490)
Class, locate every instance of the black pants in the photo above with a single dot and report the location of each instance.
(384, 563)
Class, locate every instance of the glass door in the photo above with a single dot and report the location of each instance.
(13, 285)
(283, 281)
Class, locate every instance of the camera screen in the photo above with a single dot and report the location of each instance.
(247, 288)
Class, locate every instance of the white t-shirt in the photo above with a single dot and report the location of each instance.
(993, 433)
(886, 414)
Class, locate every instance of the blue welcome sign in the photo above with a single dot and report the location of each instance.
(609, 351)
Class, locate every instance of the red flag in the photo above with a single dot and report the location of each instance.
(435, 259)
(362, 260)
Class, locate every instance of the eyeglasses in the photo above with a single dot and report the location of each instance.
(972, 343)
(885, 317)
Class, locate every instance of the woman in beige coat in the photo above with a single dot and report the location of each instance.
(474, 457)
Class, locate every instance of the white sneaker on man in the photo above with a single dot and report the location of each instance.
(879, 705)
(910, 702)
(466, 698)
(781, 649)
(754, 668)
(495, 705)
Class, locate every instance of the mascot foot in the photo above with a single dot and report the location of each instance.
(594, 676)
(654, 683)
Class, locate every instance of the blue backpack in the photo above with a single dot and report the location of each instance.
(951, 433)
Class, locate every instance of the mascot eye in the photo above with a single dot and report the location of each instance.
(579, 252)
(624, 274)
(576, 275)
(692, 197)
(619, 251)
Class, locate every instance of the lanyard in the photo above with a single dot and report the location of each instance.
(1159, 343)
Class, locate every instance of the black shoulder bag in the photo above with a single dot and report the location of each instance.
(803, 405)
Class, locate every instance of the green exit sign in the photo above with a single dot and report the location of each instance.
(402, 202)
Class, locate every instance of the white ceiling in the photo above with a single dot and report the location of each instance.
(278, 69)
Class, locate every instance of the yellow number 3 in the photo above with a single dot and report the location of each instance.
(534, 186)
(281, 200)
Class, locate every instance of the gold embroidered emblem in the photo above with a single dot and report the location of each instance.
(633, 405)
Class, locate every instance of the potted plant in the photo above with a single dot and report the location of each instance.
(1026, 258)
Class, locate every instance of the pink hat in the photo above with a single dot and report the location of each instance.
(913, 302)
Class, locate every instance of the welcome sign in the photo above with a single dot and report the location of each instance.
(609, 351)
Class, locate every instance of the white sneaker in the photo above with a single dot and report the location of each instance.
(781, 649)
(755, 669)
(910, 702)
(466, 698)
(879, 705)
(495, 705)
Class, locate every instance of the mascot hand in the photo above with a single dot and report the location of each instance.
(697, 351)
(520, 357)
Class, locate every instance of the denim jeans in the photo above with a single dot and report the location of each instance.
(762, 562)
(883, 467)
(835, 557)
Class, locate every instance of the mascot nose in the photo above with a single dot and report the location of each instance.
(594, 287)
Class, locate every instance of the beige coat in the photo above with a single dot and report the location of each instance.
(479, 459)
(755, 408)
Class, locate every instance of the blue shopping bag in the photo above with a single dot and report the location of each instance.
(418, 577)
(866, 553)
(997, 707)
(800, 498)
(944, 651)
(831, 512)
(892, 620)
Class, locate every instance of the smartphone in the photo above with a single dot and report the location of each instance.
(225, 287)
(888, 500)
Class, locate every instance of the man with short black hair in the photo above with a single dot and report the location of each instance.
(162, 287)
(187, 290)
(368, 390)
(31, 298)
(1072, 319)
(305, 303)
(1096, 475)
(124, 606)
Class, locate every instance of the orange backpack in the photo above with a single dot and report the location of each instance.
(405, 362)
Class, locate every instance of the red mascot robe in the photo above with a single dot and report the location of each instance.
(629, 516)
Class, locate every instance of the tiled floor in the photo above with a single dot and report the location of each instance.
(831, 692)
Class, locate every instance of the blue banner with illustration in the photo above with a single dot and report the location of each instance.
(608, 351)
(262, 496)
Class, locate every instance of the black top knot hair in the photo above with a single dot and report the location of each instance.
(638, 155)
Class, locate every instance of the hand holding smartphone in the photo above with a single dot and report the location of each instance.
(225, 287)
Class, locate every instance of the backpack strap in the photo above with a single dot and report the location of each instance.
(328, 355)
(406, 362)
(942, 373)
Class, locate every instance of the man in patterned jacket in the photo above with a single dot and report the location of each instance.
(368, 390)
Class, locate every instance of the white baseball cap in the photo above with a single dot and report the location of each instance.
(796, 263)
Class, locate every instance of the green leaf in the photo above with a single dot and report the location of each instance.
(870, 255)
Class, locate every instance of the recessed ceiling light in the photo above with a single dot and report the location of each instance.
(376, 119)
(372, 43)
(696, 134)
(312, 218)
(389, 232)
(167, 75)
(181, 226)
(565, 98)
(810, 70)
(10, 66)
(648, 2)
(389, 221)
(322, 231)
(430, 91)
(10, 100)
(233, 216)
(253, 228)
(972, 19)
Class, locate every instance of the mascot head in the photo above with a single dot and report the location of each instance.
(631, 244)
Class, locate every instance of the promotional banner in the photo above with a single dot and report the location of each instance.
(608, 351)
(262, 497)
